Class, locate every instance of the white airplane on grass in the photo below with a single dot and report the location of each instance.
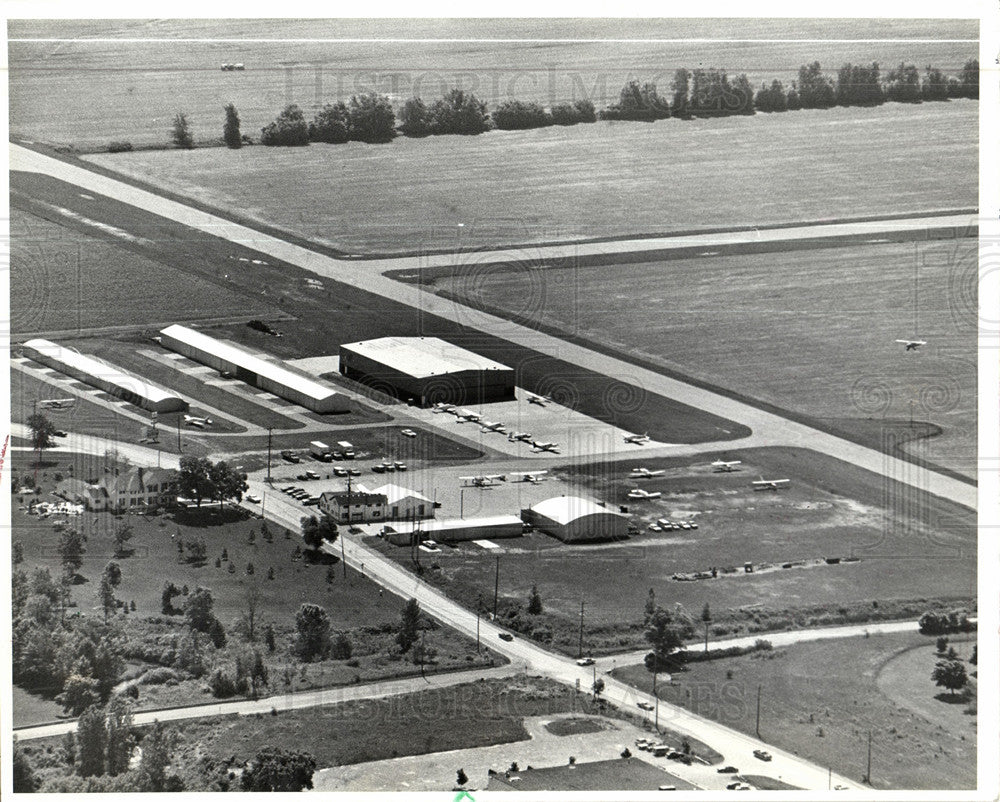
(645, 473)
(468, 415)
(440, 406)
(523, 437)
(483, 480)
(57, 403)
(640, 494)
(201, 423)
(531, 476)
(912, 345)
(540, 400)
(770, 484)
(487, 426)
(637, 439)
(540, 446)
(726, 467)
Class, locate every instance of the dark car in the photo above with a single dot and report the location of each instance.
(728, 770)
(506, 636)
(761, 754)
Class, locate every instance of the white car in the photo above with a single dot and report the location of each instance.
(252, 498)
(408, 433)
(585, 661)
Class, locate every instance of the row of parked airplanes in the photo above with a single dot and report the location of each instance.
(721, 466)
(489, 479)
(467, 415)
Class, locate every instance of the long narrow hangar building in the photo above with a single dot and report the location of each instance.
(427, 370)
(573, 519)
(247, 366)
(103, 375)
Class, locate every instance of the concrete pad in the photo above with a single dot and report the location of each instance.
(317, 365)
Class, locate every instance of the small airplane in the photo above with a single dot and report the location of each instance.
(440, 406)
(483, 480)
(531, 476)
(639, 493)
(770, 484)
(201, 423)
(645, 473)
(523, 437)
(57, 403)
(912, 345)
(468, 415)
(540, 446)
(540, 400)
(726, 467)
(487, 426)
(638, 439)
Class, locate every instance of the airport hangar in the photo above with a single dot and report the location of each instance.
(573, 519)
(427, 370)
(103, 375)
(255, 370)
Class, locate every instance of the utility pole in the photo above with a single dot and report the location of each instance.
(581, 629)
(269, 454)
(179, 433)
(496, 589)
(479, 609)
(656, 668)
(868, 773)
(461, 503)
(758, 711)
(343, 553)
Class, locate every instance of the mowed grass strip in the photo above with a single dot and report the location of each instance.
(603, 180)
(819, 700)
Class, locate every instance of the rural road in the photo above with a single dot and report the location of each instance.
(771, 428)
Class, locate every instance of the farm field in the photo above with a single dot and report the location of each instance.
(808, 331)
(128, 90)
(67, 276)
(917, 743)
(604, 180)
(829, 511)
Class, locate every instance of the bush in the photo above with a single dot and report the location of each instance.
(513, 115)
(288, 130)
(637, 102)
(330, 124)
(458, 112)
(582, 111)
(119, 147)
(160, 676)
(223, 686)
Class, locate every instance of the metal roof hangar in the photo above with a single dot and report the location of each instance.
(103, 375)
(428, 370)
(253, 369)
(574, 519)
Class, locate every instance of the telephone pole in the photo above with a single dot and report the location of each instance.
(496, 589)
(758, 712)
(581, 629)
(269, 454)
(868, 773)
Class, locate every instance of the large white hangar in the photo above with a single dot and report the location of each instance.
(574, 519)
(103, 375)
(427, 370)
(247, 366)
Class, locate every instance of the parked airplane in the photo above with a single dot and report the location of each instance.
(440, 406)
(639, 493)
(524, 437)
(201, 423)
(726, 467)
(487, 426)
(57, 403)
(912, 345)
(468, 415)
(539, 446)
(483, 480)
(531, 476)
(540, 400)
(638, 439)
(770, 484)
(645, 473)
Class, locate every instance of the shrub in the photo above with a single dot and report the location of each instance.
(513, 115)
(288, 130)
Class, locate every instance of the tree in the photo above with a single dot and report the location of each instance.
(342, 648)
(258, 673)
(316, 530)
(78, 694)
(23, 775)
(124, 532)
(637, 102)
(114, 573)
(415, 118)
(330, 124)
(288, 130)
(269, 637)
(106, 596)
(664, 635)
(650, 607)
(513, 115)
(461, 777)
(17, 552)
(409, 625)
(198, 612)
(42, 431)
(70, 549)
(974, 657)
(815, 91)
(312, 632)
(251, 603)
(156, 747)
(92, 737)
(681, 86)
(942, 644)
(227, 483)
(170, 591)
(598, 687)
(371, 118)
(275, 769)
(459, 112)
(950, 674)
(903, 84)
(706, 618)
(193, 479)
(534, 601)
(231, 128)
(118, 720)
(970, 79)
(182, 137)
(859, 85)
(935, 85)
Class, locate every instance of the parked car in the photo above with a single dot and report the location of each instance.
(408, 433)
(400, 466)
(290, 456)
(645, 705)
(585, 661)
(761, 754)
(354, 472)
(338, 471)
(312, 475)
(506, 636)
(252, 498)
(728, 770)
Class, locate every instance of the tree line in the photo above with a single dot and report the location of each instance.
(709, 92)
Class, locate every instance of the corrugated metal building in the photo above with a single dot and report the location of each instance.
(265, 374)
(403, 503)
(427, 370)
(104, 376)
(456, 529)
(574, 519)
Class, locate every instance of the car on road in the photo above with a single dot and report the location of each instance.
(252, 498)
(290, 456)
(761, 754)
(408, 433)
(733, 786)
(60, 433)
(668, 788)
(506, 636)
(585, 661)
(354, 472)
(338, 471)
(400, 466)
(312, 501)
(840, 787)
(356, 530)
(728, 770)
(645, 705)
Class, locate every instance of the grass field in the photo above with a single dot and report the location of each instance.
(917, 743)
(808, 331)
(63, 278)
(130, 90)
(602, 180)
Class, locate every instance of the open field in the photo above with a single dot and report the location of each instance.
(828, 722)
(601, 180)
(902, 552)
(809, 331)
(68, 275)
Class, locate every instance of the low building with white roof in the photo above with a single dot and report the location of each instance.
(574, 519)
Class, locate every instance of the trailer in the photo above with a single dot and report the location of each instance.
(347, 448)
(320, 450)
